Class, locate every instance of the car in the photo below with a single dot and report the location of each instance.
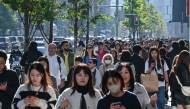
(38, 39)
(5, 44)
(60, 39)
(40, 43)
(41, 49)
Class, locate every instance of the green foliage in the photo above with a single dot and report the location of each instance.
(150, 18)
(8, 18)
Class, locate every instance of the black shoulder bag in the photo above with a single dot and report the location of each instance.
(160, 76)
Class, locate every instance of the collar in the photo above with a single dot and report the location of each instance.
(93, 69)
(52, 56)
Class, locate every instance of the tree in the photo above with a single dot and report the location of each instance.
(8, 19)
(34, 12)
(150, 18)
(78, 13)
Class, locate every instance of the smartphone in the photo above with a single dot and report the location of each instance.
(152, 61)
(117, 103)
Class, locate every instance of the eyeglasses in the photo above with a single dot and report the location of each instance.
(88, 47)
(90, 62)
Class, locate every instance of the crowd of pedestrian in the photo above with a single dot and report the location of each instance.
(101, 75)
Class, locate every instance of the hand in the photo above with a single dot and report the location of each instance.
(3, 86)
(166, 86)
(28, 100)
(152, 65)
(64, 103)
(112, 106)
(35, 101)
(153, 99)
(62, 84)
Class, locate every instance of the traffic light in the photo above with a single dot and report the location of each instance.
(136, 20)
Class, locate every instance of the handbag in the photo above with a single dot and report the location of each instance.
(185, 89)
(34, 96)
(160, 76)
(150, 82)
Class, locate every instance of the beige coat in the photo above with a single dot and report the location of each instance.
(74, 99)
(103, 68)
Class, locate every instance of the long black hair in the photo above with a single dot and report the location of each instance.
(131, 80)
(110, 73)
(90, 84)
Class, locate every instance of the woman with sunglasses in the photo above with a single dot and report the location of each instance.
(36, 93)
(107, 61)
(129, 81)
(115, 97)
(82, 94)
(89, 53)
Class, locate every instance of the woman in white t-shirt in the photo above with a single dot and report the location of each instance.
(156, 65)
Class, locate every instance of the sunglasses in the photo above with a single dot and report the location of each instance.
(90, 62)
(107, 58)
(88, 47)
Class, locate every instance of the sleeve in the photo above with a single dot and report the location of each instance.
(63, 69)
(98, 79)
(61, 97)
(98, 96)
(146, 67)
(12, 88)
(99, 62)
(100, 104)
(146, 100)
(10, 58)
(17, 102)
(50, 104)
(136, 102)
(116, 65)
(101, 70)
(142, 66)
(165, 66)
(23, 59)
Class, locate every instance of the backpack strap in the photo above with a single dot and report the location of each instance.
(59, 61)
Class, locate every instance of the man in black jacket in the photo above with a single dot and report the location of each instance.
(9, 83)
(138, 62)
(182, 44)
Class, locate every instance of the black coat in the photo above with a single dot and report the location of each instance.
(172, 54)
(11, 78)
(167, 62)
(139, 64)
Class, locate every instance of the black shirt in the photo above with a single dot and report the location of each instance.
(128, 100)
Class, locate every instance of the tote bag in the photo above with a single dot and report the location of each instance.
(150, 82)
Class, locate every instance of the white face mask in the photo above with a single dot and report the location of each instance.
(114, 88)
(16, 49)
(107, 61)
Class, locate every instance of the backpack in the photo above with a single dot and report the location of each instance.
(32, 56)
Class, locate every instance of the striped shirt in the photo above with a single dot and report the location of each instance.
(47, 98)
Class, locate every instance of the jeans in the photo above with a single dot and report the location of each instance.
(161, 97)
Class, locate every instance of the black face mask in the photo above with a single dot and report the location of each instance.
(66, 49)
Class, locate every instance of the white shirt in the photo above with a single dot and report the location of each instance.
(159, 71)
(54, 68)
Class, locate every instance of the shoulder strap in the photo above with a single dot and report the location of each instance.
(178, 81)
(59, 61)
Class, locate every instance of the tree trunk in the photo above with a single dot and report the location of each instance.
(51, 31)
(75, 28)
(26, 30)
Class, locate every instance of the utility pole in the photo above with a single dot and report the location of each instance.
(94, 11)
(116, 18)
(182, 23)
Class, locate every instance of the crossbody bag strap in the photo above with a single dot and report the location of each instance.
(178, 81)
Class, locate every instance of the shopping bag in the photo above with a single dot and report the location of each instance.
(150, 82)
